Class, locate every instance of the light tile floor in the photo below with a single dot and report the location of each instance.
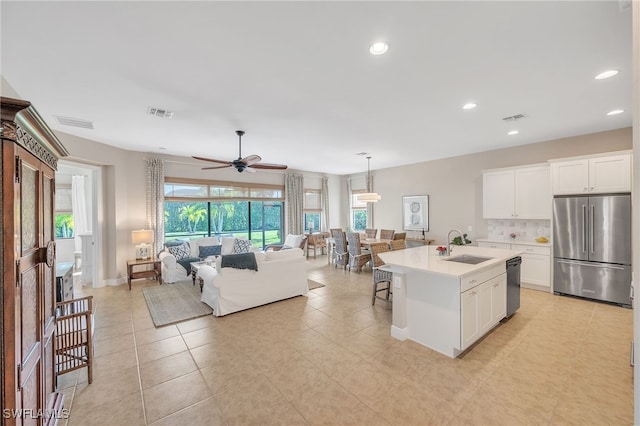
(328, 359)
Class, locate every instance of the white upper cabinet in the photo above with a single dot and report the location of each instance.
(611, 173)
(517, 193)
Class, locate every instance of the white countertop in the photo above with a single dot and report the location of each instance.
(427, 259)
(516, 241)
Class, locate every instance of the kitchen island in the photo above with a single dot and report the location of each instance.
(443, 304)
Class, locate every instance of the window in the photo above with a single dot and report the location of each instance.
(312, 209)
(63, 213)
(358, 212)
(196, 209)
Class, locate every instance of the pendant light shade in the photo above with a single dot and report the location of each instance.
(369, 196)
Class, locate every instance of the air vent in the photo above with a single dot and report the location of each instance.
(74, 122)
(514, 117)
(159, 112)
(362, 153)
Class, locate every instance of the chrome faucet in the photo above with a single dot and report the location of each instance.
(449, 240)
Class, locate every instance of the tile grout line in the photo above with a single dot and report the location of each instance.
(135, 344)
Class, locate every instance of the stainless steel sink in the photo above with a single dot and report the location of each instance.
(469, 259)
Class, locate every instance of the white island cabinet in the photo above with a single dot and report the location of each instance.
(445, 305)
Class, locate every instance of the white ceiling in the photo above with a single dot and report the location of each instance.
(299, 79)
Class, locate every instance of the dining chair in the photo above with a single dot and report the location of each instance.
(315, 242)
(386, 234)
(357, 258)
(380, 276)
(400, 236)
(397, 244)
(340, 253)
(371, 233)
(74, 336)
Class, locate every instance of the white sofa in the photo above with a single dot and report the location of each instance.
(172, 271)
(280, 275)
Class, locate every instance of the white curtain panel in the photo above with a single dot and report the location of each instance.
(324, 199)
(370, 205)
(81, 223)
(346, 211)
(155, 200)
(294, 198)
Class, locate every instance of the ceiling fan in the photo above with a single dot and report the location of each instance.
(247, 164)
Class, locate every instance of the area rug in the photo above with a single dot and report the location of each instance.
(314, 284)
(171, 303)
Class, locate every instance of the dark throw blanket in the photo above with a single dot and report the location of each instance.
(240, 261)
(186, 263)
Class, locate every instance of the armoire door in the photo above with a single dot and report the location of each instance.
(34, 297)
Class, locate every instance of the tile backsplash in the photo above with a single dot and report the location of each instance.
(527, 230)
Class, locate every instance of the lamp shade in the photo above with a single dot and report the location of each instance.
(144, 236)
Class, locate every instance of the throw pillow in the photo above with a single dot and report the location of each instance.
(173, 243)
(241, 246)
(207, 251)
(181, 251)
(293, 240)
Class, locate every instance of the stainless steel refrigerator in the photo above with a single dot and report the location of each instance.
(592, 247)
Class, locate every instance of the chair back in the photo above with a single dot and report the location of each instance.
(397, 244)
(375, 249)
(353, 243)
(371, 233)
(400, 236)
(340, 239)
(334, 229)
(387, 234)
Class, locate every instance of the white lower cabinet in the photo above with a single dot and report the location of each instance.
(536, 262)
(482, 307)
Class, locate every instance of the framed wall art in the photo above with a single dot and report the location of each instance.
(415, 213)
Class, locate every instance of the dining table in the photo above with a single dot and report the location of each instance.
(364, 243)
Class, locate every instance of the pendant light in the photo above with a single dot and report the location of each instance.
(369, 196)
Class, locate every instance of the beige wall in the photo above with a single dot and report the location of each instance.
(635, 225)
(454, 185)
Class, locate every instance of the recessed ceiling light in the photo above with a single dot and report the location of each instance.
(615, 112)
(379, 48)
(513, 132)
(606, 74)
(470, 105)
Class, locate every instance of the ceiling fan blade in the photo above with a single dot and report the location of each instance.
(217, 167)
(270, 166)
(211, 160)
(249, 169)
(251, 159)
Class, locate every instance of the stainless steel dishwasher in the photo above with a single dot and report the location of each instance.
(513, 284)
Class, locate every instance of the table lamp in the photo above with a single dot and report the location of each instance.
(143, 239)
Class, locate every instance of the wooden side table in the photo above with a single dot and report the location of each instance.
(150, 273)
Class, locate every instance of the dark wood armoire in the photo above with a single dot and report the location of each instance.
(30, 152)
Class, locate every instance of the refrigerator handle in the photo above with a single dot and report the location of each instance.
(584, 228)
(591, 243)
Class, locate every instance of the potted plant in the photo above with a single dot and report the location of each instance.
(457, 241)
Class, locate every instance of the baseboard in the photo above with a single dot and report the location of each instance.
(536, 287)
(110, 282)
(399, 333)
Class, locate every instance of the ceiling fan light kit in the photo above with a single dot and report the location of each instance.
(247, 164)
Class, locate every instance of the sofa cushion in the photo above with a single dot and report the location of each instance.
(227, 245)
(174, 243)
(286, 254)
(206, 251)
(241, 246)
(293, 240)
(240, 261)
(180, 251)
